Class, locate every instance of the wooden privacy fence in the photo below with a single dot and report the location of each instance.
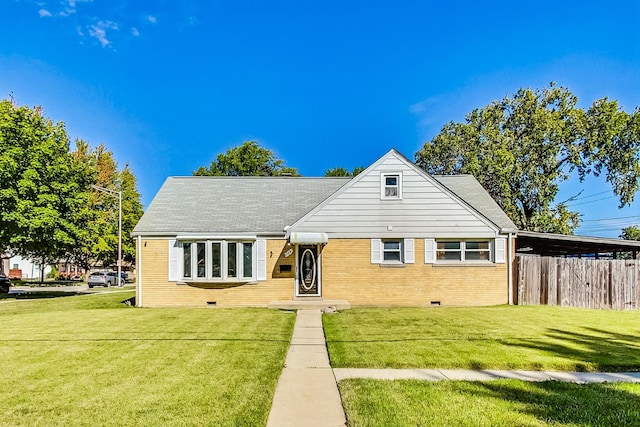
(578, 282)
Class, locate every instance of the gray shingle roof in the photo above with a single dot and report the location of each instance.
(198, 204)
(469, 189)
(233, 204)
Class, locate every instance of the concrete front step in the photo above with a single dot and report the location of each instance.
(315, 304)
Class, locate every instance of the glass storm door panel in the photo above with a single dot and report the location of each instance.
(308, 271)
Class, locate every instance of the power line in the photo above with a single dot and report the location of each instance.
(607, 219)
(574, 198)
(590, 201)
(592, 195)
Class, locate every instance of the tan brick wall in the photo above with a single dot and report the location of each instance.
(157, 291)
(347, 273)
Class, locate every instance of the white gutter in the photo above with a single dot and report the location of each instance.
(216, 236)
(139, 278)
(510, 269)
(510, 232)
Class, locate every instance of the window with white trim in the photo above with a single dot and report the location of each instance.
(392, 251)
(218, 260)
(463, 250)
(391, 186)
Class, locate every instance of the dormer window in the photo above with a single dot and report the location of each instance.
(391, 186)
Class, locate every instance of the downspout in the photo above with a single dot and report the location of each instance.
(510, 232)
(510, 267)
(139, 279)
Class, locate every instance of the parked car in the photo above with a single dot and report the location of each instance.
(123, 276)
(106, 279)
(5, 283)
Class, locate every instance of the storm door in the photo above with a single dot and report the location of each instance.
(308, 271)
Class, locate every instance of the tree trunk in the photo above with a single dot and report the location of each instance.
(42, 267)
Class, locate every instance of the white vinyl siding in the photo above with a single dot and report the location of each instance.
(426, 210)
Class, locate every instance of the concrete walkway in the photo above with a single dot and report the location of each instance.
(486, 375)
(307, 391)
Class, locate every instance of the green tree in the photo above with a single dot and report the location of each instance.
(630, 233)
(42, 187)
(521, 147)
(131, 211)
(344, 172)
(99, 243)
(249, 159)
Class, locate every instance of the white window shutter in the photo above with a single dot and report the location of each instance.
(376, 245)
(409, 251)
(262, 259)
(429, 251)
(173, 261)
(500, 250)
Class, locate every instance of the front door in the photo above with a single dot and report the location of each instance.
(308, 276)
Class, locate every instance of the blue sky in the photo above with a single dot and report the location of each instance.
(167, 85)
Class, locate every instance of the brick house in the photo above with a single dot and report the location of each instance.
(393, 235)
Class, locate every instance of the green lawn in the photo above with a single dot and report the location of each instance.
(90, 360)
(494, 403)
(503, 337)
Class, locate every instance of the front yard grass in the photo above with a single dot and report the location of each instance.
(503, 337)
(493, 403)
(91, 360)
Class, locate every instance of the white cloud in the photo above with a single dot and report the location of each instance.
(44, 13)
(70, 7)
(99, 31)
(100, 34)
(108, 24)
(135, 32)
(152, 19)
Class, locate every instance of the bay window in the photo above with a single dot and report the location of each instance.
(186, 265)
(218, 260)
(232, 254)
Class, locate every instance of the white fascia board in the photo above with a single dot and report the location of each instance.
(187, 236)
(206, 236)
(408, 235)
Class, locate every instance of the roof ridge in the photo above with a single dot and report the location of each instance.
(259, 177)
